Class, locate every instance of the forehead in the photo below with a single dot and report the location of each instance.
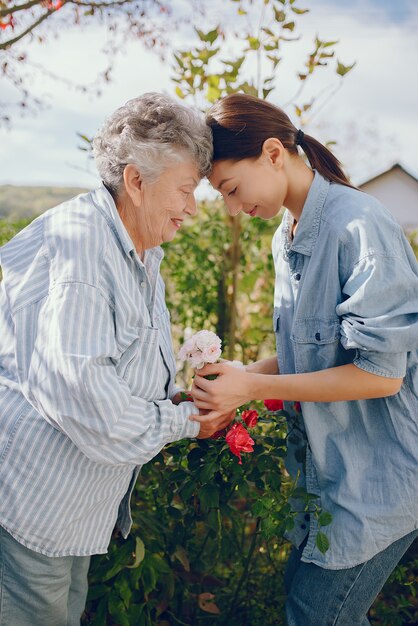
(186, 171)
(223, 170)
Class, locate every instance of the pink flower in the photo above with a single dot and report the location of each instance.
(250, 418)
(239, 440)
(274, 405)
(203, 347)
(211, 354)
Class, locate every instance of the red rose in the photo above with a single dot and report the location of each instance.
(273, 405)
(239, 440)
(250, 418)
(297, 407)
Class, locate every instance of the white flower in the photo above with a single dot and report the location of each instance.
(203, 347)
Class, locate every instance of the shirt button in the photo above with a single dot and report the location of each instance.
(307, 517)
(298, 277)
(142, 283)
(318, 336)
(303, 526)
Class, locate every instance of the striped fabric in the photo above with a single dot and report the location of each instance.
(86, 373)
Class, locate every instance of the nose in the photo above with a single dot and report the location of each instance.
(234, 207)
(191, 207)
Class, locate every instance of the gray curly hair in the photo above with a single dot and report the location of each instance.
(152, 132)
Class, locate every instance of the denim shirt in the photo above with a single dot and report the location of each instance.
(346, 291)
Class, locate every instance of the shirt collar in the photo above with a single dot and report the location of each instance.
(104, 201)
(309, 223)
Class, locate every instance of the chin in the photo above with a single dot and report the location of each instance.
(169, 237)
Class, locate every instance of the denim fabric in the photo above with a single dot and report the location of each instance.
(37, 590)
(347, 292)
(320, 597)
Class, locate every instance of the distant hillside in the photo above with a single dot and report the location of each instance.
(19, 202)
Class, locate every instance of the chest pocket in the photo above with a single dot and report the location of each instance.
(139, 364)
(316, 344)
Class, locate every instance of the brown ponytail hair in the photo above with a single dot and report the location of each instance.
(241, 124)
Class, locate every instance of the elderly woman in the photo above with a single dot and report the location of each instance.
(87, 370)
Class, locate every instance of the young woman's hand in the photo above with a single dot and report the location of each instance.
(230, 390)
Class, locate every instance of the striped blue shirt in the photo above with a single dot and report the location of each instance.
(86, 376)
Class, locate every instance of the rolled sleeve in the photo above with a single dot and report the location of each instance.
(379, 315)
(378, 363)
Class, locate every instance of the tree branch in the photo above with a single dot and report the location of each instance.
(100, 5)
(95, 5)
(18, 7)
(7, 44)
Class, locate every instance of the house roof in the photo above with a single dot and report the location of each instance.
(386, 171)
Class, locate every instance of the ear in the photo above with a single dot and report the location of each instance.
(133, 183)
(274, 150)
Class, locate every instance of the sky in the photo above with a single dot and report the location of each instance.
(372, 116)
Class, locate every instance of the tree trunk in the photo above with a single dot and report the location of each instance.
(235, 255)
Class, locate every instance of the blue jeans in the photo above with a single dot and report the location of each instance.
(324, 597)
(38, 590)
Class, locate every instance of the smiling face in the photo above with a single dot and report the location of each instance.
(153, 212)
(257, 187)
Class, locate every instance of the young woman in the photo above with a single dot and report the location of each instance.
(346, 324)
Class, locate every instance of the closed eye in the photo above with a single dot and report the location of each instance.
(231, 193)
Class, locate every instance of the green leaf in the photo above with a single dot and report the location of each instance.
(212, 35)
(181, 555)
(139, 553)
(326, 44)
(187, 490)
(97, 591)
(342, 70)
(299, 11)
(279, 15)
(209, 497)
(123, 588)
(179, 61)
(205, 55)
(208, 37)
(149, 578)
(275, 60)
(322, 542)
(258, 509)
(254, 43)
(236, 65)
(290, 26)
(117, 609)
(325, 518)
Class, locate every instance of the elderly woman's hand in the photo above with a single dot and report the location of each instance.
(231, 389)
(212, 421)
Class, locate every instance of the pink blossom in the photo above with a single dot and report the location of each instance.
(203, 347)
